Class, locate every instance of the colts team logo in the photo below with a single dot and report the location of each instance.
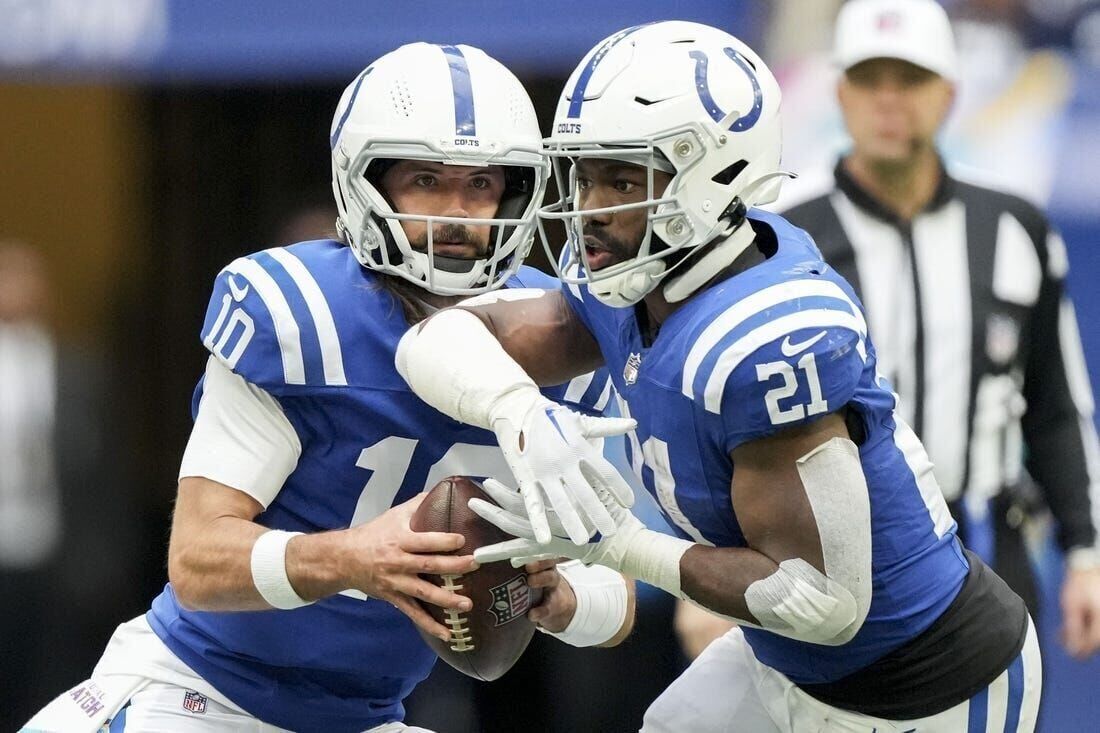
(702, 87)
(630, 371)
(511, 600)
(193, 702)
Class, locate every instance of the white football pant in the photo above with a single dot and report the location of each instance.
(139, 685)
(726, 690)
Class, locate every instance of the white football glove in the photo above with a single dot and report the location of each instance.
(556, 455)
(510, 516)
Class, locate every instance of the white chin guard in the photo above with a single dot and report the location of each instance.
(627, 288)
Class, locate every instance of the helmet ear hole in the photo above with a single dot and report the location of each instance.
(376, 170)
(519, 188)
(725, 176)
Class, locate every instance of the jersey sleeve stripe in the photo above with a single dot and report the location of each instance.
(742, 348)
(605, 396)
(331, 355)
(286, 329)
(748, 307)
(577, 387)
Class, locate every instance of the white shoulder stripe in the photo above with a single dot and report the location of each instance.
(286, 330)
(331, 355)
(578, 386)
(744, 309)
(743, 347)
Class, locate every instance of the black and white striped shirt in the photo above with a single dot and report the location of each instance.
(969, 317)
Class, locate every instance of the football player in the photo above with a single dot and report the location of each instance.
(807, 510)
(294, 589)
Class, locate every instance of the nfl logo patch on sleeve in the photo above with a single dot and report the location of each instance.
(193, 702)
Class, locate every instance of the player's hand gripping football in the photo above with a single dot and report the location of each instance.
(603, 549)
(388, 558)
(556, 455)
(558, 605)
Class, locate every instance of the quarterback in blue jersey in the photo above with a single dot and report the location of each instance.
(807, 511)
(295, 586)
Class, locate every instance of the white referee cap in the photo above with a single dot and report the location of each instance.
(916, 31)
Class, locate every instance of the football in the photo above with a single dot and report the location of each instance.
(488, 639)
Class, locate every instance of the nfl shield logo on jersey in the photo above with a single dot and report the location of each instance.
(630, 371)
(511, 600)
(194, 702)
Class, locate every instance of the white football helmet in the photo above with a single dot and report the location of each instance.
(687, 99)
(448, 104)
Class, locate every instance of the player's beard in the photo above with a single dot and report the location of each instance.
(619, 250)
(452, 234)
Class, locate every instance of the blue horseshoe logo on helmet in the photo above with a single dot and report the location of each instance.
(745, 121)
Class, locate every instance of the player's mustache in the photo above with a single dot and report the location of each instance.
(612, 244)
(452, 233)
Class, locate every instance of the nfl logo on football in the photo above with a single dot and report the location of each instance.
(194, 702)
(630, 371)
(510, 600)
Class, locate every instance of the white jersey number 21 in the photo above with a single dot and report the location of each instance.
(797, 411)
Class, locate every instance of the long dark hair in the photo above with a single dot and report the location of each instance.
(410, 297)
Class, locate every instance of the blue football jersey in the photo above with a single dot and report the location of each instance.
(317, 331)
(777, 345)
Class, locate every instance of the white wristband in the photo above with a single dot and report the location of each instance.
(601, 604)
(269, 570)
(654, 558)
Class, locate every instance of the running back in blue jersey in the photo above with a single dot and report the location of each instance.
(316, 330)
(777, 345)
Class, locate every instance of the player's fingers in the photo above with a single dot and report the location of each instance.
(427, 592)
(505, 496)
(418, 564)
(431, 541)
(604, 475)
(419, 616)
(556, 610)
(507, 550)
(594, 509)
(570, 520)
(543, 579)
(514, 525)
(536, 512)
(540, 565)
(525, 560)
(605, 427)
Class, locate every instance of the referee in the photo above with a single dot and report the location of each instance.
(963, 286)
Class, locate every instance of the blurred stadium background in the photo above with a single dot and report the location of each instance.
(146, 143)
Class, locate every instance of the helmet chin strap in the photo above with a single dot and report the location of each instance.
(720, 256)
(629, 287)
